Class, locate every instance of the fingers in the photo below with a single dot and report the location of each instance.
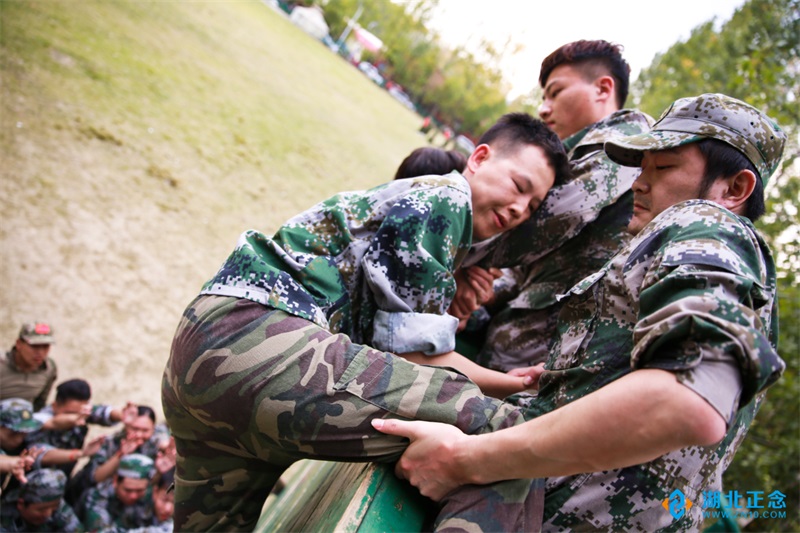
(395, 427)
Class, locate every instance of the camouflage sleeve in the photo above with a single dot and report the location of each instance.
(101, 415)
(708, 297)
(96, 515)
(409, 267)
(65, 519)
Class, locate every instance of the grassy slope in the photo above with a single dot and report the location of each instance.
(138, 139)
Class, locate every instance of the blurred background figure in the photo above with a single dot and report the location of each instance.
(428, 161)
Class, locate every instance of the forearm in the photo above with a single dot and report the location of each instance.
(57, 456)
(491, 382)
(107, 469)
(633, 420)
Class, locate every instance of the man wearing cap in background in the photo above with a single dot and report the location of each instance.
(39, 505)
(26, 371)
(16, 421)
(664, 354)
(120, 502)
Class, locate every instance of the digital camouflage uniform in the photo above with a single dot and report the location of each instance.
(694, 294)
(83, 480)
(580, 226)
(17, 415)
(101, 510)
(68, 439)
(43, 486)
(266, 368)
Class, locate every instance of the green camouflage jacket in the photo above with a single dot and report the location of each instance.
(376, 265)
(696, 286)
(64, 519)
(102, 511)
(580, 226)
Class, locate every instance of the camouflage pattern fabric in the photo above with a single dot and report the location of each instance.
(63, 519)
(249, 390)
(695, 283)
(43, 486)
(581, 225)
(83, 480)
(68, 439)
(102, 510)
(374, 264)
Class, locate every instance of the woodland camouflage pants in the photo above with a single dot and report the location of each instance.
(249, 390)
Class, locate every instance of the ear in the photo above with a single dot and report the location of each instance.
(481, 153)
(736, 189)
(605, 88)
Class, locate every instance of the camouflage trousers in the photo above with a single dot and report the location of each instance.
(249, 390)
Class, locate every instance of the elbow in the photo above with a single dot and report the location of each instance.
(707, 427)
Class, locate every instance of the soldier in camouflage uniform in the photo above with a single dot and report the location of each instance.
(267, 367)
(39, 505)
(664, 354)
(27, 371)
(582, 224)
(123, 502)
(138, 436)
(16, 421)
(66, 422)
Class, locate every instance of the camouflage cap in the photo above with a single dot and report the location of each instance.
(45, 485)
(37, 333)
(708, 116)
(135, 466)
(17, 414)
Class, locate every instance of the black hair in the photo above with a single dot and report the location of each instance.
(73, 389)
(514, 129)
(143, 410)
(593, 59)
(722, 161)
(428, 160)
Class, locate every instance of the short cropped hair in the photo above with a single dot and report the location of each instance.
(73, 389)
(143, 410)
(723, 161)
(430, 161)
(515, 129)
(593, 59)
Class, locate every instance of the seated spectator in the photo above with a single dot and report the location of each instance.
(120, 502)
(26, 371)
(16, 421)
(136, 437)
(38, 505)
(65, 424)
(163, 501)
(427, 161)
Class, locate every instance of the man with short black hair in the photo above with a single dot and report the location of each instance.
(304, 336)
(664, 354)
(581, 224)
(65, 424)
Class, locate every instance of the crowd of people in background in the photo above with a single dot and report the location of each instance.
(54, 478)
